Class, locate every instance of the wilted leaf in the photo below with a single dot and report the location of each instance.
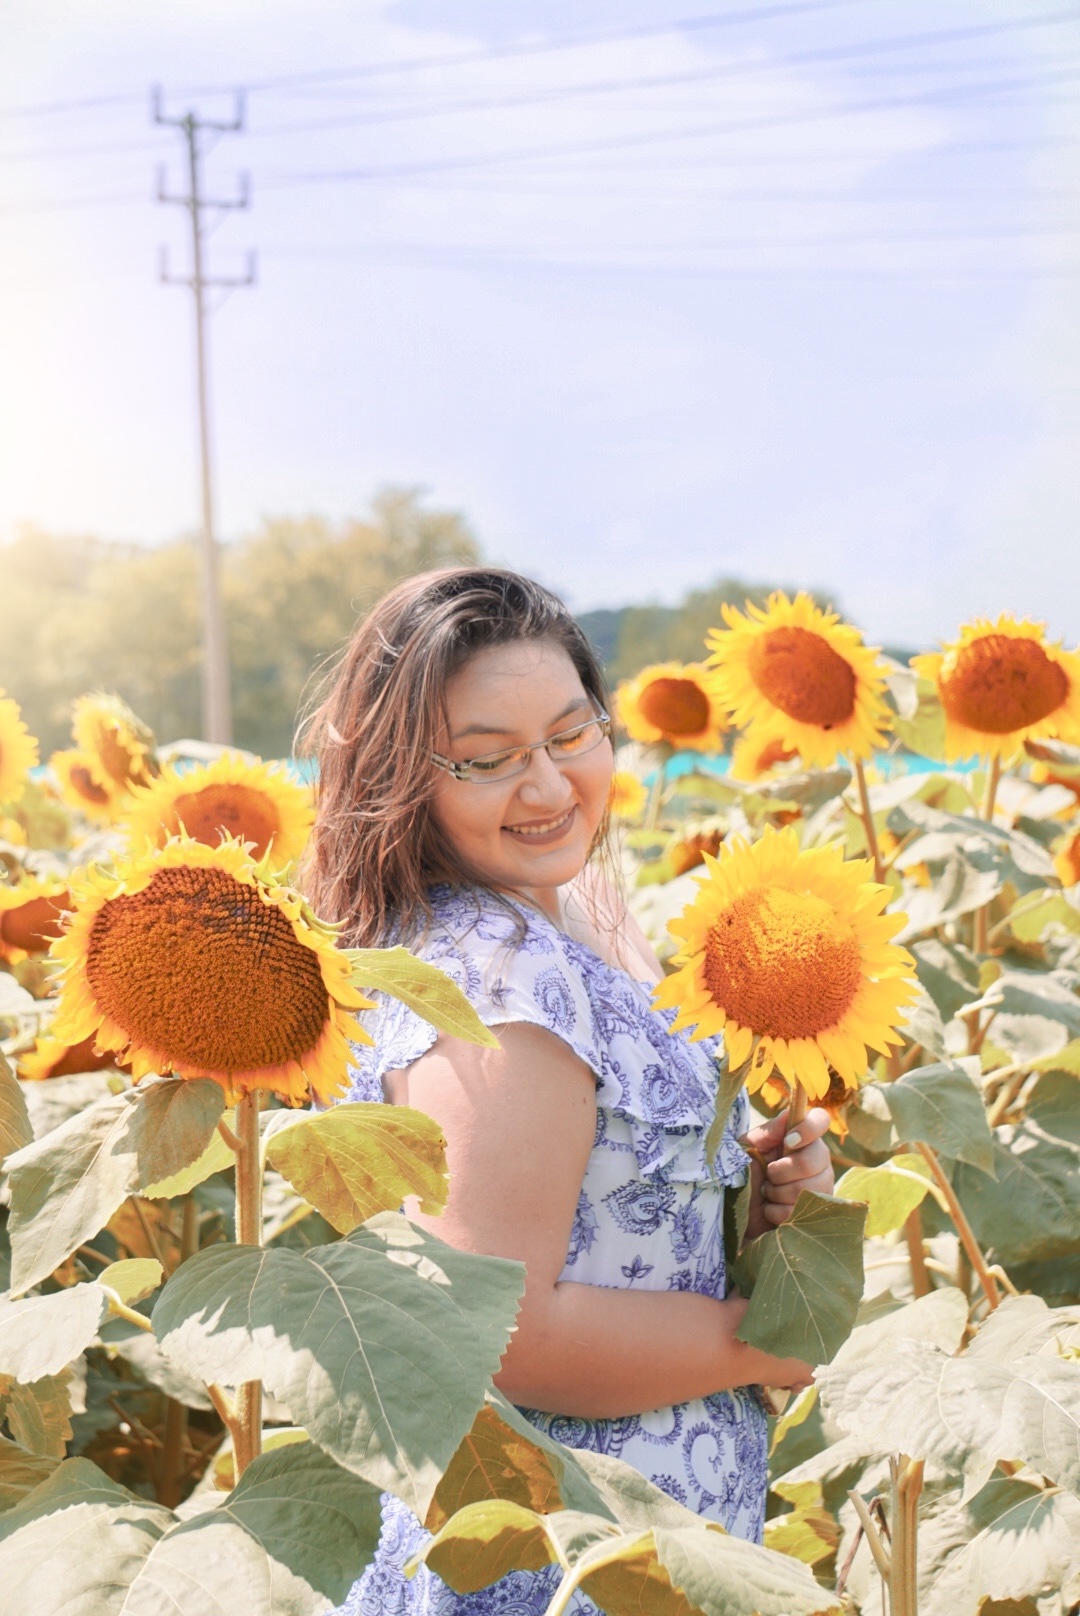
(495, 1461)
(21, 1471)
(39, 1412)
(1012, 1540)
(362, 1157)
(937, 1105)
(891, 1191)
(380, 1345)
(423, 987)
(804, 1280)
(15, 1129)
(40, 1335)
(65, 1187)
(807, 1531)
(133, 1279)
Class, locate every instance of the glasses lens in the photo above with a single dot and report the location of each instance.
(577, 741)
(500, 766)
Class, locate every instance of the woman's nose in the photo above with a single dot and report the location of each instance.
(544, 782)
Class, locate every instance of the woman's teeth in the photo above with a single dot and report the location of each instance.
(539, 830)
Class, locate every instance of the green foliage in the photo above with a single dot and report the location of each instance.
(936, 1105)
(361, 1158)
(424, 988)
(382, 1361)
(891, 1191)
(804, 1280)
(126, 618)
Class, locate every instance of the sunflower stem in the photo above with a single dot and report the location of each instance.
(798, 1106)
(982, 916)
(170, 1476)
(907, 1485)
(913, 1235)
(963, 1227)
(868, 821)
(656, 790)
(247, 1436)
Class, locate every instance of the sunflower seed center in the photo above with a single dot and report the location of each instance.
(999, 684)
(782, 963)
(801, 674)
(231, 807)
(675, 706)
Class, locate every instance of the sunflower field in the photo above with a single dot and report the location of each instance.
(220, 1338)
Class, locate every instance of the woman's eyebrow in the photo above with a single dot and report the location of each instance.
(494, 729)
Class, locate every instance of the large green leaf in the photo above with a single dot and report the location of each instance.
(1010, 1541)
(891, 1191)
(39, 1335)
(217, 1157)
(949, 972)
(804, 1280)
(289, 1540)
(66, 1186)
(1031, 917)
(937, 1105)
(991, 851)
(360, 1158)
(423, 987)
(380, 1345)
(15, 1129)
(1031, 1211)
(693, 1569)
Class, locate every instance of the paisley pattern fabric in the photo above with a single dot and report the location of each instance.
(649, 1217)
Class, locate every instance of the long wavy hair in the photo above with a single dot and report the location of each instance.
(381, 711)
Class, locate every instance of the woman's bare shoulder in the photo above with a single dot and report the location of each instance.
(599, 908)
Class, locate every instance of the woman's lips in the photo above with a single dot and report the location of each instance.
(544, 832)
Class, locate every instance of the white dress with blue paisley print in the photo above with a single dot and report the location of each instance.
(650, 1216)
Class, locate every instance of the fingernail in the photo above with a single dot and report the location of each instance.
(792, 1140)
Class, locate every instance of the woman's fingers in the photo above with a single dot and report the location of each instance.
(788, 1194)
(775, 1136)
(811, 1160)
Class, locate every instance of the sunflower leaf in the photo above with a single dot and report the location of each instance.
(804, 1280)
(39, 1335)
(424, 988)
(133, 1279)
(21, 1471)
(892, 1191)
(1031, 1212)
(363, 1157)
(381, 1345)
(15, 1129)
(1012, 1540)
(921, 730)
(39, 1413)
(67, 1185)
(936, 1105)
(217, 1157)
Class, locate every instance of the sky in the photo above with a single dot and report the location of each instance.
(654, 291)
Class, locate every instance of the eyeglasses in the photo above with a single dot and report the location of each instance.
(562, 748)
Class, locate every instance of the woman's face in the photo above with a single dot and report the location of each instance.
(534, 830)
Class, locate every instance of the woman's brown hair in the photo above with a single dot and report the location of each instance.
(375, 849)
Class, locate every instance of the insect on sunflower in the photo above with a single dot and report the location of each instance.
(675, 702)
(799, 676)
(787, 952)
(196, 960)
(18, 750)
(251, 802)
(1002, 684)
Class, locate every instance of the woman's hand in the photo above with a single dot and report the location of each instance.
(793, 1162)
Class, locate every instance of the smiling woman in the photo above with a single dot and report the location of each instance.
(465, 776)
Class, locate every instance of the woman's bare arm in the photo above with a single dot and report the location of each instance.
(519, 1124)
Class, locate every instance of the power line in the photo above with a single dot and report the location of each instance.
(659, 137)
(216, 698)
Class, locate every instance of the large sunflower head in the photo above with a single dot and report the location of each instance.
(1002, 684)
(799, 676)
(250, 802)
(195, 960)
(18, 750)
(121, 746)
(674, 702)
(786, 951)
(30, 916)
(82, 786)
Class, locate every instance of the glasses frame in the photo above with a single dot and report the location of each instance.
(461, 771)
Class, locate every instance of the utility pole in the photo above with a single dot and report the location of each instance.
(216, 695)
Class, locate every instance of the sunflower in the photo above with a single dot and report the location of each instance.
(690, 849)
(106, 730)
(674, 702)
(1002, 684)
(252, 802)
(30, 914)
(18, 750)
(628, 795)
(786, 951)
(82, 786)
(752, 757)
(195, 960)
(51, 1057)
(1067, 861)
(798, 675)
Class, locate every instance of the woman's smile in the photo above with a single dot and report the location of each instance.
(545, 830)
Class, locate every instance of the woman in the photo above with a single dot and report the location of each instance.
(465, 763)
